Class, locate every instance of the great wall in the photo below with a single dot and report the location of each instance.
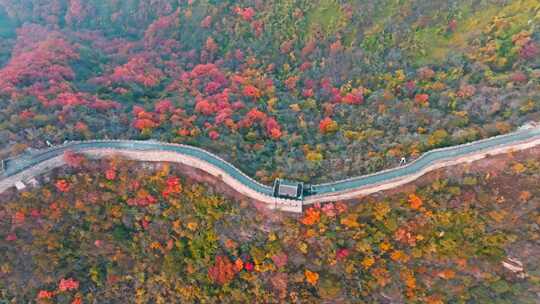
(25, 167)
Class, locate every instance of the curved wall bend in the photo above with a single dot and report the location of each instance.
(32, 164)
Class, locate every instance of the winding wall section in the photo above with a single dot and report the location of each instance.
(32, 164)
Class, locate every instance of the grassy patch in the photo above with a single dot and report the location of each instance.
(435, 44)
(327, 17)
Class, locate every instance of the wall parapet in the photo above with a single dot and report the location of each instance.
(16, 167)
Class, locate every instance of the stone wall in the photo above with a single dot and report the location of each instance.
(159, 156)
(272, 202)
(362, 191)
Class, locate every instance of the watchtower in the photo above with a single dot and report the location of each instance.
(288, 189)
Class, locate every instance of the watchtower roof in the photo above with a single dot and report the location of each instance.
(288, 189)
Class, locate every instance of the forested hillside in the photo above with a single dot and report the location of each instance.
(112, 231)
(311, 90)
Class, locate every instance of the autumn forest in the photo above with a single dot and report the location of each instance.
(309, 90)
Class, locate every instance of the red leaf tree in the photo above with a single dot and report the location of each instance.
(223, 270)
(39, 66)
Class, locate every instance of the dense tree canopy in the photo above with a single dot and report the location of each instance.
(341, 87)
(113, 231)
(313, 90)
